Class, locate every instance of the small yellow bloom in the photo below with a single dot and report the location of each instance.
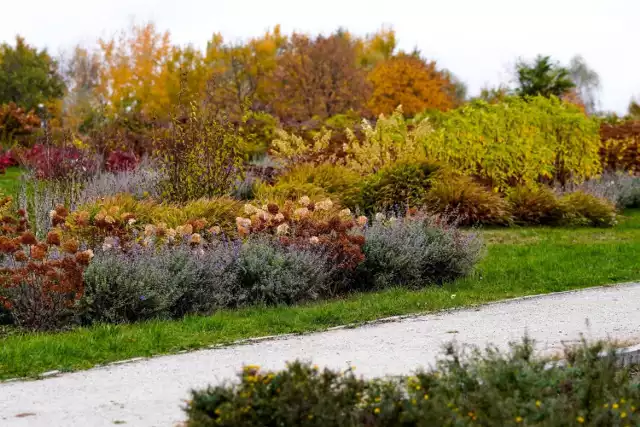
(218, 411)
(580, 420)
(418, 387)
(623, 401)
(413, 401)
(376, 411)
(538, 403)
(518, 419)
(378, 399)
(615, 406)
(606, 405)
(310, 416)
(623, 415)
(426, 397)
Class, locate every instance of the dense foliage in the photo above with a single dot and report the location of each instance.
(518, 142)
(491, 388)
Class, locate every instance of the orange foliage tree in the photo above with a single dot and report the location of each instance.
(318, 77)
(411, 82)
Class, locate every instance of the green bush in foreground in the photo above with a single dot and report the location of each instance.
(488, 388)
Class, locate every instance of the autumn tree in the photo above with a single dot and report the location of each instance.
(376, 47)
(412, 82)
(81, 72)
(28, 76)
(133, 77)
(239, 74)
(587, 83)
(318, 77)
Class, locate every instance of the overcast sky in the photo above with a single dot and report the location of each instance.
(476, 39)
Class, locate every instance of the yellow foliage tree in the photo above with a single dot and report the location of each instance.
(134, 72)
(411, 82)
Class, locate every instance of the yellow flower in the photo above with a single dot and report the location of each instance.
(196, 239)
(418, 387)
(623, 401)
(606, 405)
(310, 416)
(378, 399)
(580, 420)
(623, 415)
(615, 406)
(345, 212)
(413, 401)
(538, 403)
(518, 419)
(376, 411)
(426, 397)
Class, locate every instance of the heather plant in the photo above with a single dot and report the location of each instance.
(199, 155)
(467, 387)
(417, 251)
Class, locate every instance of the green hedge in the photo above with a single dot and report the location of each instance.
(487, 389)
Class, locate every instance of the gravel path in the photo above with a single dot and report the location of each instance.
(150, 392)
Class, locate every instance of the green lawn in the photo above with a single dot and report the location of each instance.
(519, 262)
(9, 181)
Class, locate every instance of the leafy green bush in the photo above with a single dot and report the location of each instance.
(257, 131)
(586, 209)
(416, 251)
(400, 184)
(469, 201)
(519, 141)
(488, 388)
(538, 205)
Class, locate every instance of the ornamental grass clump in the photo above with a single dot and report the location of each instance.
(417, 251)
(466, 388)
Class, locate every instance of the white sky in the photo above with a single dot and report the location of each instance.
(475, 39)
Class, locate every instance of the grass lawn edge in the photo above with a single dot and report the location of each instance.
(258, 339)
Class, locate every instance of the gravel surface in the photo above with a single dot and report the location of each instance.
(150, 392)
